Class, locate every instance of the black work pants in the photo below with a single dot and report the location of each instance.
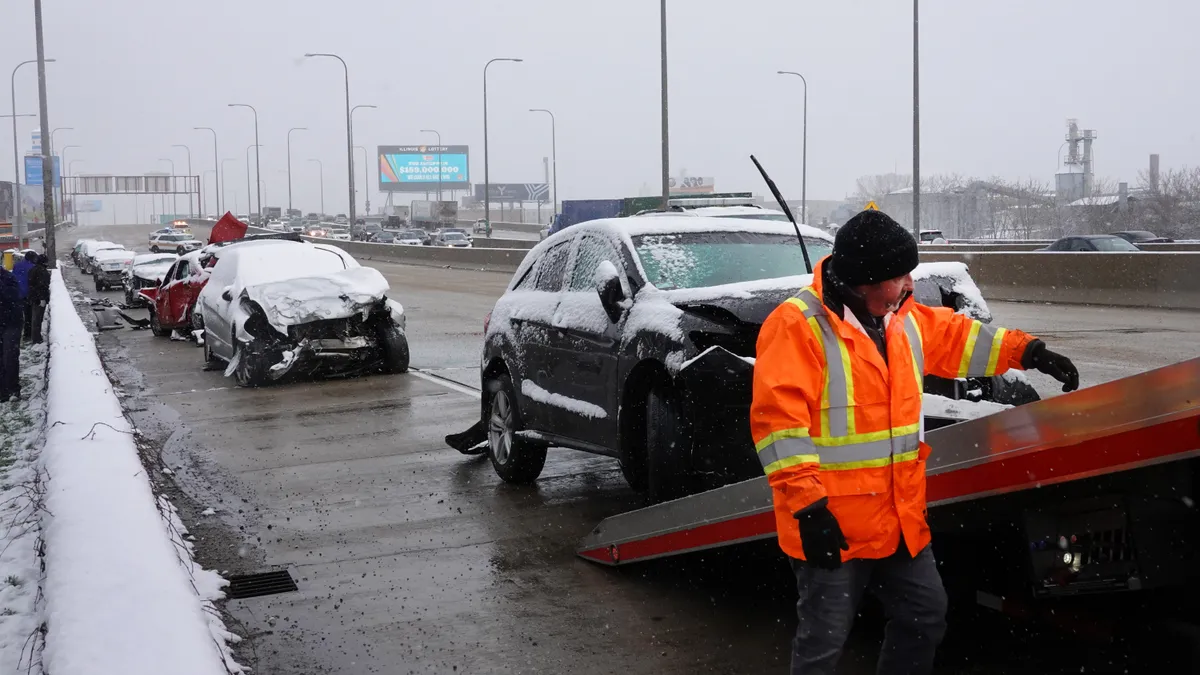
(10, 362)
(28, 318)
(913, 599)
(38, 315)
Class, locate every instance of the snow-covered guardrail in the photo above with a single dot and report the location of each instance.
(122, 594)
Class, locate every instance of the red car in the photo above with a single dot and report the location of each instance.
(171, 304)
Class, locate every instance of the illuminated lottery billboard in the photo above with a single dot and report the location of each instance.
(415, 168)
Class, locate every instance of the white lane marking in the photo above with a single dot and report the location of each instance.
(462, 389)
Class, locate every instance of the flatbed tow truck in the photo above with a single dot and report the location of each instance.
(1086, 493)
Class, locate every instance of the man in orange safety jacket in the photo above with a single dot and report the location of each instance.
(836, 420)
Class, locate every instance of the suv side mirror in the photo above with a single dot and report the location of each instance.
(608, 285)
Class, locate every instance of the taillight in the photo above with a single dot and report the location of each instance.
(487, 320)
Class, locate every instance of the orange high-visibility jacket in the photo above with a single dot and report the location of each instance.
(831, 419)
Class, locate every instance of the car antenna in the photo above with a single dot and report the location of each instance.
(783, 205)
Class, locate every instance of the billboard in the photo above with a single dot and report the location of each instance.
(415, 168)
(89, 206)
(514, 192)
(692, 185)
(33, 170)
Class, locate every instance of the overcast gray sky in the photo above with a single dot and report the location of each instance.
(998, 81)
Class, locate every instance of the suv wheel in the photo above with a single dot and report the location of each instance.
(667, 445)
(516, 460)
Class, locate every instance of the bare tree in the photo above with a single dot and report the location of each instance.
(873, 188)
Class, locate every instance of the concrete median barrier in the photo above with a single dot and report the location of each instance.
(1033, 246)
(484, 242)
(1165, 280)
(485, 259)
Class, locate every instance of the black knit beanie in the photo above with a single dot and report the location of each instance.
(870, 248)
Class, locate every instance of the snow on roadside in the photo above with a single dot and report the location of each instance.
(21, 426)
(122, 594)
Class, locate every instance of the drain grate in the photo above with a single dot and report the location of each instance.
(264, 583)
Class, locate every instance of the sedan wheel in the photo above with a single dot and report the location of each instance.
(516, 460)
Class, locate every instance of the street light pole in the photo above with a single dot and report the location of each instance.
(289, 161)
(349, 131)
(804, 152)
(217, 188)
(666, 145)
(366, 188)
(553, 152)
(366, 178)
(225, 200)
(439, 141)
(189, 156)
(321, 168)
(257, 173)
(18, 217)
(174, 197)
(487, 200)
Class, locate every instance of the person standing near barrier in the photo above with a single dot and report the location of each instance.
(39, 297)
(11, 318)
(21, 270)
(836, 419)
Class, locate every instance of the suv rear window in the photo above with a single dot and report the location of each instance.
(553, 267)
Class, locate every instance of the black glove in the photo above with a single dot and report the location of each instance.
(1037, 357)
(821, 536)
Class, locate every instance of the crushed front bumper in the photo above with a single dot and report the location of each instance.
(717, 389)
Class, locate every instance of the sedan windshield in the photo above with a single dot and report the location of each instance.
(1114, 244)
(453, 236)
(701, 259)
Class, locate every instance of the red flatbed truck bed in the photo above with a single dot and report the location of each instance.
(1102, 481)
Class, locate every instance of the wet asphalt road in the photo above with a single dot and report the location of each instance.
(413, 558)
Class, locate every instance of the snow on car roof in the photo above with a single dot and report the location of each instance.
(114, 254)
(153, 258)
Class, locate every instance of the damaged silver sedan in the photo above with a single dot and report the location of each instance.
(286, 307)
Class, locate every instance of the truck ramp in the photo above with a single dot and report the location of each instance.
(1149, 418)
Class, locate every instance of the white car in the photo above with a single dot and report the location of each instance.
(147, 271)
(408, 238)
(340, 234)
(178, 243)
(283, 306)
(275, 225)
(87, 254)
(108, 267)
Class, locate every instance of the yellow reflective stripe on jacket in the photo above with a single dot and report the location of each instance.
(982, 351)
(871, 463)
(788, 451)
(918, 349)
(798, 432)
(868, 437)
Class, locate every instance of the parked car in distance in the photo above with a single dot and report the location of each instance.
(316, 231)
(340, 219)
(77, 249)
(87, 254)
(1092, 243)
(108, 267)
(340, 233)
(384, 237)
(147, 271)
(480, 226)
(366, 231)
(411, 238)
(635, 338)
(461, 230)
(280, 306)
(174, 241)
(1142, 237)
(451, 240)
